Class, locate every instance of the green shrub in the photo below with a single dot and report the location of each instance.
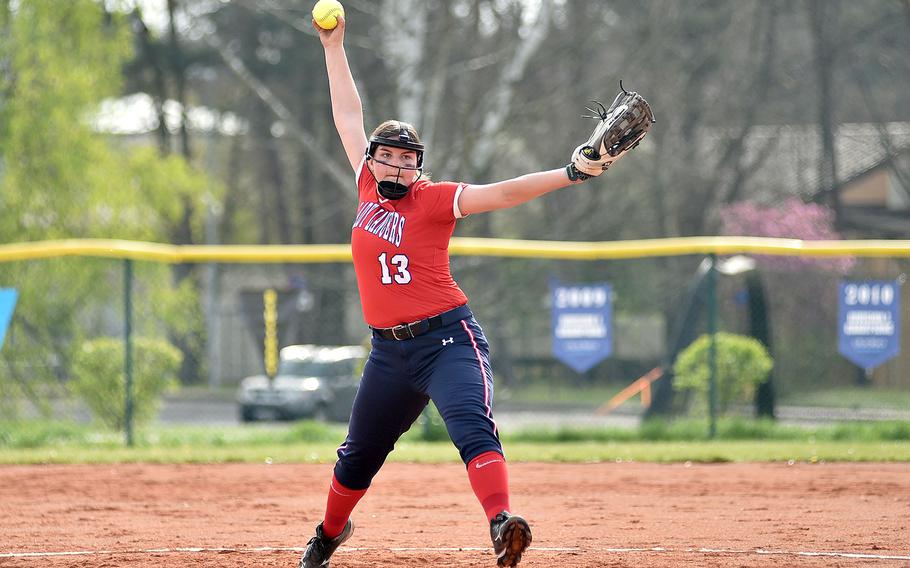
(100, 382)
(742, 364)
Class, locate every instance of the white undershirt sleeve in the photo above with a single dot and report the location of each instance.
(455, 208)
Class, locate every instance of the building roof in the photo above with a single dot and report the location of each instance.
(792, 166)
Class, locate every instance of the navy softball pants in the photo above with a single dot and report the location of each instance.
(450, 366)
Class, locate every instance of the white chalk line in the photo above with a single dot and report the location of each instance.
(574, 550)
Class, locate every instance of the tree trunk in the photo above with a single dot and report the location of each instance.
(821, 13)
(178, 72)
(760, 329)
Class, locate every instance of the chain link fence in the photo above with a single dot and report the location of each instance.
(213, 313)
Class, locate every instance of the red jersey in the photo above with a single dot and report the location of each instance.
(401, 251)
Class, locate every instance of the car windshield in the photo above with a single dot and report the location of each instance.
(344, 367)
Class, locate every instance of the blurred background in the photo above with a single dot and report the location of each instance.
(209, 122)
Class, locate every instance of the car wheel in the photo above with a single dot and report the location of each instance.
(248, 414)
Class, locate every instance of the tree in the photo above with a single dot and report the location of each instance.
(497, 88)
(779, 284)
(63, 180)
(60, 59)
(160, 68)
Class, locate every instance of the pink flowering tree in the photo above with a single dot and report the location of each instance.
(800, 292)
(792, 219)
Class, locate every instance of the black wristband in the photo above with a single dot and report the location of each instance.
(575, 175)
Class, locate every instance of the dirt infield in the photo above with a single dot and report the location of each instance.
(619, 515)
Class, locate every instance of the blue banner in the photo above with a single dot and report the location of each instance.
(869, 325)
(582, 323)
(8, 297)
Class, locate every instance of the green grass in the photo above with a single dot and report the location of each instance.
(51, 434)
(442, 452)
(595, 395)
(311, 442)
(729, 429)
(851, 397)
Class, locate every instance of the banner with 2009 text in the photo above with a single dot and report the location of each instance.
(582, 323)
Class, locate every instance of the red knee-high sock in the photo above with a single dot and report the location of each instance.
(338, 508)
(489, 477)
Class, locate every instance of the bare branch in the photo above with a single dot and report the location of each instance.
(335, 170)
(301, 23)
(405, 22)
(498, 112)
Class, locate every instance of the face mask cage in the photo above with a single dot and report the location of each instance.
(392, 189)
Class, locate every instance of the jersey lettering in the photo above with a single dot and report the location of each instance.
(362, 212)
(387, 225)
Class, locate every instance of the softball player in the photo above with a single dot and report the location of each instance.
(426, 343)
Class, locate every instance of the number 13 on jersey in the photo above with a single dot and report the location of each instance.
(399, 263)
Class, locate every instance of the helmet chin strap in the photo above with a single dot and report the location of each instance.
(392, 189)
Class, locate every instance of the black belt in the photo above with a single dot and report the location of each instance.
(416, 328)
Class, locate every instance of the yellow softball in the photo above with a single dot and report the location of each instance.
(326, 13)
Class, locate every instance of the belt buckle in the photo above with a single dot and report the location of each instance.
(406, 327)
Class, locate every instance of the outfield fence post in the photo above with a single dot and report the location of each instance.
(712, 351)
(128, 348)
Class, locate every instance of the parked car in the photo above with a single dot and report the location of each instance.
(312, 381)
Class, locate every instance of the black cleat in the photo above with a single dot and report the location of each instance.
(320, 548)
(511, 537)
